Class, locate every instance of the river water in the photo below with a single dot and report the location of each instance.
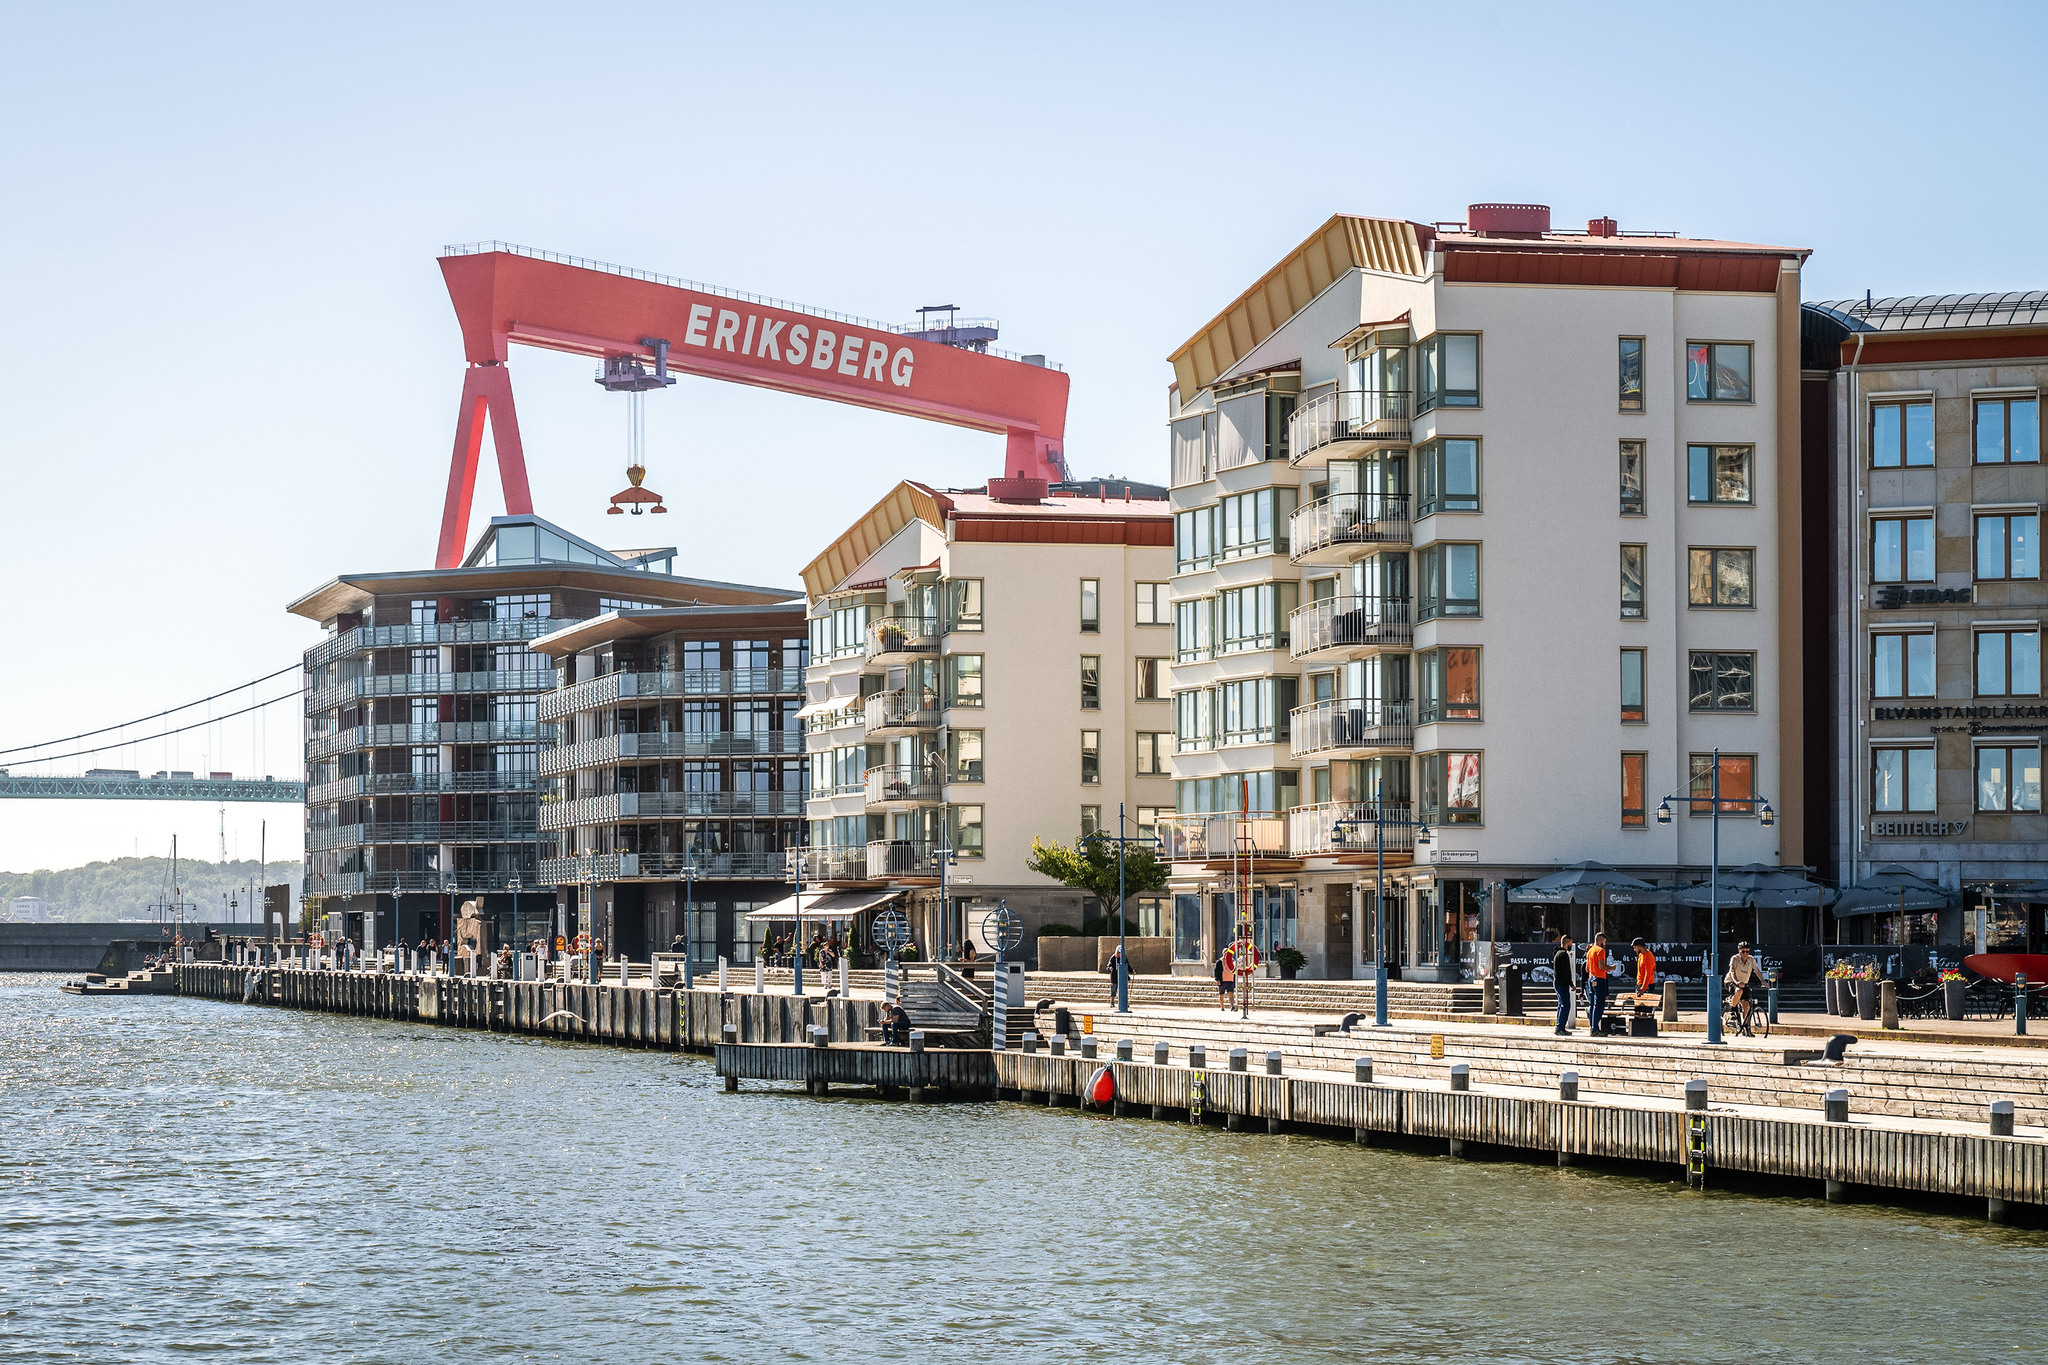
(187, 1179)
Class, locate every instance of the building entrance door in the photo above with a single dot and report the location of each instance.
(1337, 939)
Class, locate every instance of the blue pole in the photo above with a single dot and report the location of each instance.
(1379, 909)
(1714, 916)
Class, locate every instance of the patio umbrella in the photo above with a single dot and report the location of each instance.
(1759, 886)
(1892, 889)
(1589, 883)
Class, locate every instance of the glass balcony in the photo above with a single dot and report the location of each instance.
(1341, 827)
(904, 786)
(903, 859)
(1343, 526)
(899, 639)
(1344, 424)
(902, 711)
(828, 863)
(1351, 627)
(1352, 723)
(1212, 838)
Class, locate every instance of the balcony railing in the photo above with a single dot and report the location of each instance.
(421, 832)
(385, 784)
(610, 809)
(674, 866)
(429, 685)
(903, 786)
(916, 709)
(890, 636)
(1352, 723)
(829, 863)
(464, 883)
(901, 858)
(445, 633)
(1348, 827)
(1204, 838)
(1346, 519)
(437, 732)
(1338, 420)
(591, 753)
(614, 688)
(1350, 623)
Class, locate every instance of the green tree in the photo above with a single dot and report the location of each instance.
(1090, 865)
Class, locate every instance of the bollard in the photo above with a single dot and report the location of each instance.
(2001, 1118)
(1887, 1004)
(1696, 1094)
(1198, 1058)
(1059, 1045)
(1568, 1086)
(1361, 1070)
(916, 1039)
(1835, 1106)
(1461, 1077)
(1123, 1049)
(2019, 1002)
(1088, 1047)
(1238, 1058)
(1031, 1040)
(1273, 1062)
(822, 1036)
(729, 1034)
(1489, 996)
(1771, 1003)
(1671, 1002)
(1160, 1054)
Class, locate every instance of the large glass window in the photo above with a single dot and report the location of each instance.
(1255, 523)
(1902, 779)
(963, 604)
(1631, 373)
(1717, 372)
(1902, 434)
(1447, 477)
(1254, 710)
(1449, 372)
(1450, 788)
(1719, 474)
(1634, 814)
(2009, 546)
(1091, 682)
(1722, 680)
(1632, 478)
(2008, 663)
(1194, 624)
(1152, 753)
(1632, 561)
(2009, 777)
(963, 680)
(1902, 550)
(1194, 538)
(1254, 617)
(1155, 605)
(966, 831)
(2008, 431)
(1450, 581)
(1194, 719)
(1902, 664)
(1721, 578)
(1634, 664)
(1447, 684)
(1738, 784)
(1151, 676)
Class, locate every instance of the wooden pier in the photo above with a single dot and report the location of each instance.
(957, 1073)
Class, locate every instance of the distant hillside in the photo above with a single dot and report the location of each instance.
(125, 887)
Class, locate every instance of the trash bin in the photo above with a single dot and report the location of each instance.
(1062, 1020)
(1511, 990)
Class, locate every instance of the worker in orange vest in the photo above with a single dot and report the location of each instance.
(1596, 983)
(1646, 968)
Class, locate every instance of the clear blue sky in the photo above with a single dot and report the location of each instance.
(228, 368)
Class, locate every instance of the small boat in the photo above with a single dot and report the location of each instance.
(2007, 966)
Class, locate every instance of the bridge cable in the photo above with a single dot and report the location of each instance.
(88, 734)
(146, 739)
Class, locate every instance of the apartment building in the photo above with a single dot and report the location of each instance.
(1929, 431)
(1489, 528)
(423, 732)
(987, 666)
(674, 785)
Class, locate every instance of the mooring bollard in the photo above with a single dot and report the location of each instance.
(1568, 1086)
(1123, 1049)
(1461, 1076)
(1238, 1058)
(1059, 1045)
(1361, 1070)
(1088, 1047)
(1489, 996)
(1887, 1004)
(1695, 1094)
(729, 1034)
(1771, 1002)
(916, 1039)
(1031, 1040)
(1160, 1054)
(1671, 1002)
(822, 1037)
(1835, 1106)
(2001, 1118)
(1273, 1062)
(1198, 1057)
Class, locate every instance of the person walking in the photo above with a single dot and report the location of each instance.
(1562, 974)
(968, 957)
(1596, 983)
(1226, 980)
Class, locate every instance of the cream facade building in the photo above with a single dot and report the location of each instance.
(1497, 526)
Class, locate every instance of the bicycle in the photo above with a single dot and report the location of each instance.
(1746, 1015)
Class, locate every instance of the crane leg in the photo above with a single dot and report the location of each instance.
(486, 392)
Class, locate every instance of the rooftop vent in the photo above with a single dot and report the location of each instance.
(1019, 489)
(1602, 227)
(1508, 220)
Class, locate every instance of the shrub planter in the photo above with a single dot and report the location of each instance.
(1952, 999)
(1866, 999)
(1834, 993)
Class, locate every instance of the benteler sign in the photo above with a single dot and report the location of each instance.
(1919, 829)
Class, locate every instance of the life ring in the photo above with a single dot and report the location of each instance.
(1101, 1087)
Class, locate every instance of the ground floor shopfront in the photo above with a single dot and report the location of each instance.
(375, 920)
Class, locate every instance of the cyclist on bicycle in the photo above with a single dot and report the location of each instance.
(1743, 972)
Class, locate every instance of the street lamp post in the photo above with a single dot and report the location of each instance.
(1123, 957)
(690, 875)
(1379, 822)
(1765, 817)
(796, 940)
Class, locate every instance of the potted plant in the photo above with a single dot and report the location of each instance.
(1952, 987)
(1866, 992)
(1290, 961)
(1831, 983)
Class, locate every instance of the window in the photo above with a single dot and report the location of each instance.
(1447, 475)
(2008, 431)
(1448, 375)
(963, 604)
(1447, 685)
(966, 831)
(963, 756)
(1902, 550)
(1194, 538)
(1717, 371)
(1723, 681)
(1194, 719)
(1091, 605)
(1634, 814)
(1632, 557)
(626, 604)
(1902, 779)
(1152, 752)
(1255, 617)
(1254, 710)
(1718, 474)
(1738, 784)
(2009, 777)
(1148, 817)
(1901, 434)
(1450, 581)
(1632, 478)
(1151, 675)
(1631, 374)
(1634, 665)
(1155, 606)
(1902, 665)
(1722, 578)
(2009, 546)
(2008, 663)
(1450, 788)
(1272, 790)
(1194, 626)
(1091, 757)
(1091, 821)
(963, 680)
(1091, 682)
(1254, 523)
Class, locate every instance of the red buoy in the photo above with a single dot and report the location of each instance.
(1101, 1086)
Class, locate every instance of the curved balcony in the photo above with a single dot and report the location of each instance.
(1351, 724)
(1350, 627)
(1345, 424)
(899, 639)
(904, 787)
(902, 860)
(902, 712)
(1350, 827)
(1343, 526)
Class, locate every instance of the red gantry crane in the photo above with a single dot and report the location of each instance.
(506, 294)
